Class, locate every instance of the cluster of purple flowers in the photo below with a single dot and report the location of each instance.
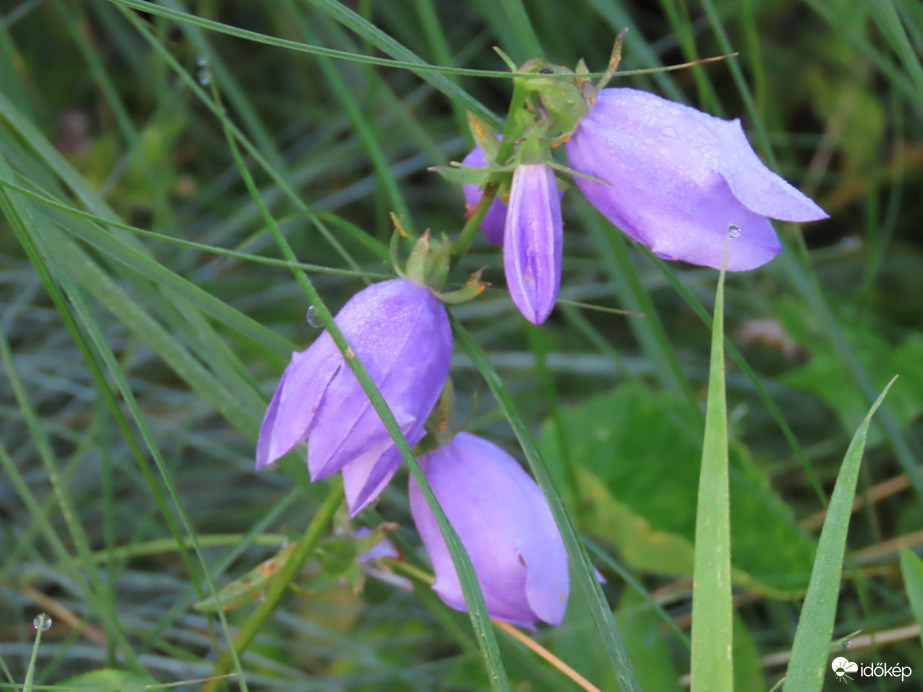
(400, 331)
(667, 175)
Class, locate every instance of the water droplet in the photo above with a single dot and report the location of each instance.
(204, 76)
(734, 231)
(201, 62)
(41, 622)
(312, 318)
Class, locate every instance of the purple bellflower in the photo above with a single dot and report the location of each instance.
(495, 218)
(532, 241)
(677, 178)
(401, 333)
(505, 524)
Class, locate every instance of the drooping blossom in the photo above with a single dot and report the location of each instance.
(505, 524)
(401, 333)
(532, 240)
(676, 179)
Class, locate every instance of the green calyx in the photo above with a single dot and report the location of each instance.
(556, 102)
(429, 264)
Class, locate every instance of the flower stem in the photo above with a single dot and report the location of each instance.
(281, 582)
(490, 191)
(477, 213)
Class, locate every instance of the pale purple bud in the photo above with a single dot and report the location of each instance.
(493, 221)
(384, 548)
(401, 333)
(677, 178)
(505, 524)
(532, 241)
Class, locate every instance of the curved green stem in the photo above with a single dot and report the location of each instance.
(281, 582)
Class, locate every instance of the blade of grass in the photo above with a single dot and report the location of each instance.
(528, 43)
(811, 647)
(693, 302)
(42, 252)
(350, 105)
(182, 242)
(405, 59)
(712, 605)
(912, 571)
(411, 61)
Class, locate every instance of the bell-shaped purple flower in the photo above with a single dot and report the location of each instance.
(505, 524)
(677, 178)
(532, 241)
(495, 218)
(401, 333)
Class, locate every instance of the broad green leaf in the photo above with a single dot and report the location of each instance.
(639, 455)
(826, 376)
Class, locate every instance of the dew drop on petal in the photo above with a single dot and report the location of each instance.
(41, 622)
(734, 231)
(312, 318)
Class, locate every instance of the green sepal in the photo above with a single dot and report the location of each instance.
(428, 264)
(248, 588)
(472, 289)
(485, 136)
(416, 263)
(463, 175)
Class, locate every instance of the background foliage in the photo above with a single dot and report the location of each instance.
(143, 327)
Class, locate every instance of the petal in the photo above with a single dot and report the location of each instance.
(677, 178)
(365, 477)
(532, 241)
(514, 545)
(348, 439)
(401, 333)
(493, 222)
(300, 393)
(758, 188)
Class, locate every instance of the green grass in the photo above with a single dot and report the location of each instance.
(163, 234)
